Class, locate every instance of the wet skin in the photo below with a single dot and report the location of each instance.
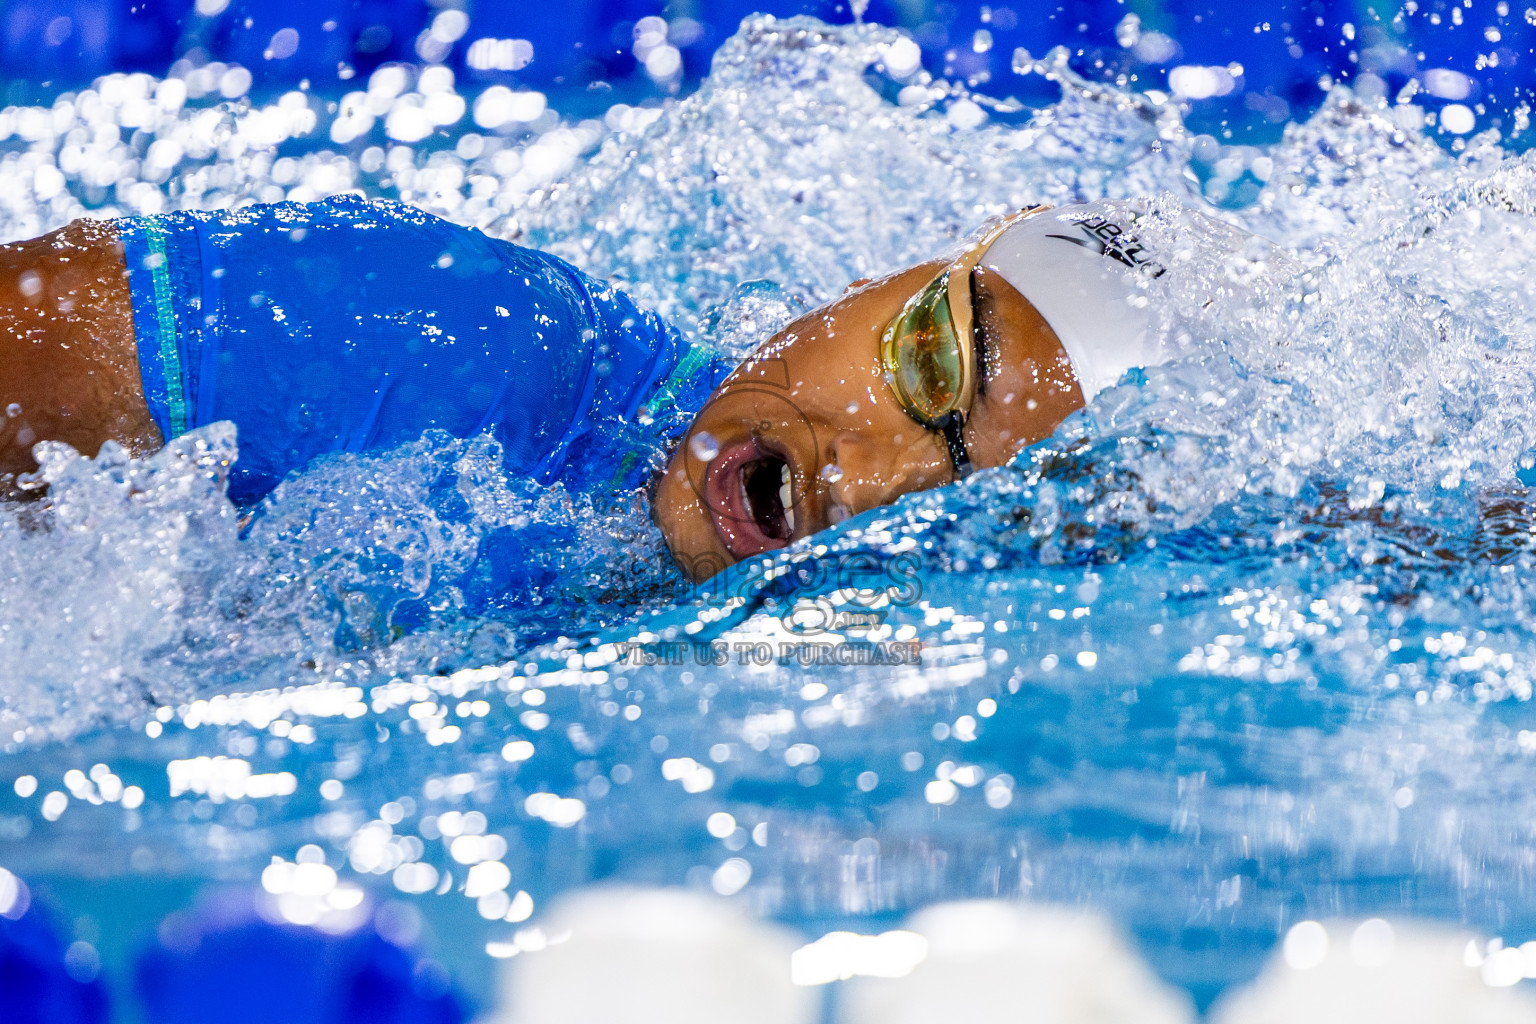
(68, 367)
(813, 398)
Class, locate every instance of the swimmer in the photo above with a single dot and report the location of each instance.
(352, 325)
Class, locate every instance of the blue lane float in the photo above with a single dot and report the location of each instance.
(237, 968)
(44, 980)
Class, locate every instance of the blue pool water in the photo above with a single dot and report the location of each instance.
(1247, 643)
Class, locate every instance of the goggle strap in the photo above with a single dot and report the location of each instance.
(954, 439)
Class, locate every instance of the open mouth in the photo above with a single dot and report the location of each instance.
(750, 494)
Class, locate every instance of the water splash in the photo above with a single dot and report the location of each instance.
(796, 163)
(422, 559)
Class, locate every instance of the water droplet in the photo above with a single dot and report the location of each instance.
(831, 473)
(13, 410)
(703, 446)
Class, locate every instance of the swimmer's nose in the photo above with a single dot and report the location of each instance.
(866, 473)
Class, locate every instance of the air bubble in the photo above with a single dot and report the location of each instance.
(703, 446)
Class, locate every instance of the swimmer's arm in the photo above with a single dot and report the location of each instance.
(68, 366)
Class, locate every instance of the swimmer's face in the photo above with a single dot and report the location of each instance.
(807, 432)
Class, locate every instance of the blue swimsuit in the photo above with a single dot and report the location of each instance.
(350, 325)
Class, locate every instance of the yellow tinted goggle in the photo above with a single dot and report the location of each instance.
(928, 353)
(928, 350)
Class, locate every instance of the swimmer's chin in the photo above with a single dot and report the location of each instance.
(691, 540)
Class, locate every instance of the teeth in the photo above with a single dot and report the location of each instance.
(787, 497)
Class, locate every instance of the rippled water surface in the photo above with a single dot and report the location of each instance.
(1248, 641)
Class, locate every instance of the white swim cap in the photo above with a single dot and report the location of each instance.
(1079, 266)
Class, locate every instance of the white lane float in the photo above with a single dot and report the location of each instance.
(1381, 972)
(995, 962)
(653, 956)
